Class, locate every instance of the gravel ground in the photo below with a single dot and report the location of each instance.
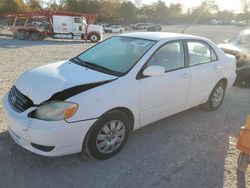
(195, 148)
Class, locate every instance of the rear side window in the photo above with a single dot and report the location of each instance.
(200, 53)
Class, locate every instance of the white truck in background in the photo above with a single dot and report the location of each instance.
(75, 28)
(62, 25)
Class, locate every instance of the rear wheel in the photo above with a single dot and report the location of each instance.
(216, 97)
(243, 161)
(42, 37)
(243, 77)
(108, 135)
(35, 36)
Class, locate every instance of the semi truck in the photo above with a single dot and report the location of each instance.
(54, 24)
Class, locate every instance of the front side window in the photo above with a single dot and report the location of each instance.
(117, 54)
(77, 20)
(200, 53)
(170, 56)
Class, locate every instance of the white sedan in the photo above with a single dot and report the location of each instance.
(93, 101)
(115, 29)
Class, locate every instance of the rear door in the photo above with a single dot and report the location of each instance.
(204, 69)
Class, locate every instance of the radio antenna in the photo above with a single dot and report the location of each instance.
(195, 20)
(185, 28)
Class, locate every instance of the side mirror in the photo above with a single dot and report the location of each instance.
(154, 71)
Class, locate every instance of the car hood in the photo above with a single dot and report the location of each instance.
(42, 83)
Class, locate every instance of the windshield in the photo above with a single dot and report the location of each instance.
(117, 54)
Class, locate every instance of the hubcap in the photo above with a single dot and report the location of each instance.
(35, 36)
(218, 96)
(93, 38)
(110, 137)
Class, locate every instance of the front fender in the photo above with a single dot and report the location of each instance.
(95, 102)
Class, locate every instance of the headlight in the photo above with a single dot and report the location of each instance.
(55, 111)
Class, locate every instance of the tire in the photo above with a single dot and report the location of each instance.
(94, 38)
(42, 37)
(15, 35)
(243, 161)
(111, 130)
(35, 36)
(20, 35)
(216, 97)
(243, 78)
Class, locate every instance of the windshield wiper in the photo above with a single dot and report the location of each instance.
(78, 61)
(96, 67)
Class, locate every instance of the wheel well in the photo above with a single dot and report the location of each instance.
(32, 31)
(128, 112)
(224, 81)
(93, 33)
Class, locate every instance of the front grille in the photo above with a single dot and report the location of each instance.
(18, 101)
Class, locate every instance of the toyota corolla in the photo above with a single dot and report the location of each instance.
(93, 101)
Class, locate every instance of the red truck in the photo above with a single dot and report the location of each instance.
(65, 25)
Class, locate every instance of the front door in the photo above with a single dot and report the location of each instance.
(167, 94)
(77, 25)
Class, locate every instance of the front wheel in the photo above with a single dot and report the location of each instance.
(108, 135)
(94, 38)
(20, 35)
(216, 97)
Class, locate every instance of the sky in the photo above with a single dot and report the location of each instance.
(234, 5)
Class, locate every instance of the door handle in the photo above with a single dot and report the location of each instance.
(184, 75)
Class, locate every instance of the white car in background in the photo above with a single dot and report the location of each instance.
(115, 29)
(93, 101)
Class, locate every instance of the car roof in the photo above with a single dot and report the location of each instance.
(157, 36)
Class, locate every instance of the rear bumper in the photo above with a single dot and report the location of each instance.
(59, 137)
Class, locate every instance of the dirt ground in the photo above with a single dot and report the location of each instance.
(195, 148)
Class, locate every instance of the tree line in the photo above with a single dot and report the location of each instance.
(127, 12)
